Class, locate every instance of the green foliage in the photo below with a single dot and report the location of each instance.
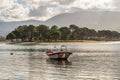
(43, 31)
(65, 32)
(23, 32)
(30, 31)
(55, 33)
(11, 36)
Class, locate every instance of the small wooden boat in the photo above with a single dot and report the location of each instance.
(58, 54)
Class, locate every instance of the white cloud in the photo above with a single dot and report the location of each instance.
(12, 11)
(15, 10)
(89, 4)
(5, 4)
(32, 4)
(64, 2)
(117, 5)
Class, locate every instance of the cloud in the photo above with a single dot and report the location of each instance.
(17, 10)
(117, 5)
(12, 11)
(40, 11)
(89, 4)
(5, 4)
(64, 2)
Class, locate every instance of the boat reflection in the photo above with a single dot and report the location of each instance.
(58, 62)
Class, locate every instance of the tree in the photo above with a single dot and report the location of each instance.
(73, 28)
(43, 31)
(105, 33)
(115, 34)
(65, 32)
(55, 33)
(75, 32)
(54, 28)
(17, 34)
(11, 36)
(31, 30)
(2, 38)
(91, 34)
(23, 32)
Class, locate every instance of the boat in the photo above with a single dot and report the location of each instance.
(61, 53)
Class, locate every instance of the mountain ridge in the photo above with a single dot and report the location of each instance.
(98, 20)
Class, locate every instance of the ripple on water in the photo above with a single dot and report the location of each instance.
(88, 62)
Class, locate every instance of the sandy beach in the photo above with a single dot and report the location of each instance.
(61, 42)
(58, 42)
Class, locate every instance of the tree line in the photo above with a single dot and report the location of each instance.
(54, 33)
(2, 38)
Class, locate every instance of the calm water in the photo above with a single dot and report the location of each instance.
(93, 61)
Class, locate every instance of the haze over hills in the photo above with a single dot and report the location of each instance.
(6, 27)
(92, 19)
(97, 20)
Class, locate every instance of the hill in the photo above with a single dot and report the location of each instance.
(98, 20)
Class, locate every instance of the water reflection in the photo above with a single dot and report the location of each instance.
(58, 62)
(88, 62)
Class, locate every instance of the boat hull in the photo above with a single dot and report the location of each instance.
(59, 55)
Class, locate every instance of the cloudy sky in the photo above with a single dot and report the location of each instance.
(18, 10)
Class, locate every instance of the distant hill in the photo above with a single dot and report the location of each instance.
(6, 27)
(92, 19)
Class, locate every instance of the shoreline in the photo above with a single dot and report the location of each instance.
(59, 42)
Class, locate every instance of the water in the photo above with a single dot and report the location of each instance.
(93, 61)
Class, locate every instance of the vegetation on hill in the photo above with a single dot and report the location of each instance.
(45, 33)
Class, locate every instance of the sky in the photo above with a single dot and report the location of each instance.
(19, 10)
